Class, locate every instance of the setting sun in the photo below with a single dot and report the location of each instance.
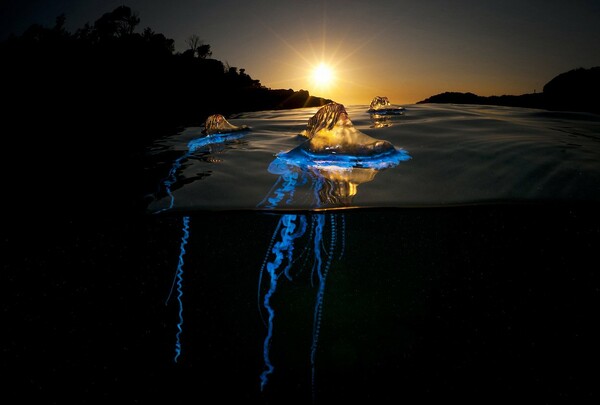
(322, 76)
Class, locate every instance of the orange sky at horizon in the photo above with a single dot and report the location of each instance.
(404, 73)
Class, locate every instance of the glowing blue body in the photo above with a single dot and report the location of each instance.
(303, 159)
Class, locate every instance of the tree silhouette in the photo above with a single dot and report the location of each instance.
(197, 47)
(204, 51)
(116, 24)
(193, 42)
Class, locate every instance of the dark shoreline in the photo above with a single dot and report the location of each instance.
(576, 91)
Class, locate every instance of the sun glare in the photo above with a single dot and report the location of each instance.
(322, 76)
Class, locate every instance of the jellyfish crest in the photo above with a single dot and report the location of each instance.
(326, 118)
(330, 131)
(217, 124)
(379, 102)
(382, 106)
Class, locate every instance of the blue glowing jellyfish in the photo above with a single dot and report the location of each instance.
(321, 173)
(325, 170)
(218, 131)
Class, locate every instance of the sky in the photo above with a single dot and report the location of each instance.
(404, 50)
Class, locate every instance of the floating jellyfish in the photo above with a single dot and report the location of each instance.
(381, 112)
(325, 170)
(321, 173)
(218, 132)
(381, 106)
(217, 124)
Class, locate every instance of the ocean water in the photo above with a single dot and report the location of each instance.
(459, 268)
(459, 155)
(463, 269)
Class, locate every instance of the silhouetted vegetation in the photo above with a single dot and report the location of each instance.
(139, 74)
(575, 90)
(92, 100)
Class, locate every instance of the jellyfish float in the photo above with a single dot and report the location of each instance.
(218, 131)
(382, 106)
(382, 111)
(323, 173)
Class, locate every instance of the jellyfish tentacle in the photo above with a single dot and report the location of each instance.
(178, 281)
(343, 237)
(318, 313)
(262, 269)
(289, 186)
(290, 259)
(282, 250)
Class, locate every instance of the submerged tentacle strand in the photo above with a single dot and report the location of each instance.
(281, 251)
(179, 282)
(318, 314)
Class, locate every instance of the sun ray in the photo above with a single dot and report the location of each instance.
(326, 67)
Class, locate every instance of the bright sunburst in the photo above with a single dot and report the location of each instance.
(322, 76)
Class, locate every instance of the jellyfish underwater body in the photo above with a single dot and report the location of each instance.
(321, 173)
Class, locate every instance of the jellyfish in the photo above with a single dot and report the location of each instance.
(381, 106)
(217, 124)
(218, 131)
(382, 111)
(322, 173)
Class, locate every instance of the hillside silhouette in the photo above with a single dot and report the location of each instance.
(84, 106)
(575, 90)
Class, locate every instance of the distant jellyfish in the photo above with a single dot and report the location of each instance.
(381, 106)
(321, 173)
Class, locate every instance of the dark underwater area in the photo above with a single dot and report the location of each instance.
(475, 303)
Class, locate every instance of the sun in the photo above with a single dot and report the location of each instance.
(322, 76)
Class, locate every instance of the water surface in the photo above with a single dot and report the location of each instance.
(459, 154)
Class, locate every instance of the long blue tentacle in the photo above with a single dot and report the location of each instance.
(178, 281)
(322, 274)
